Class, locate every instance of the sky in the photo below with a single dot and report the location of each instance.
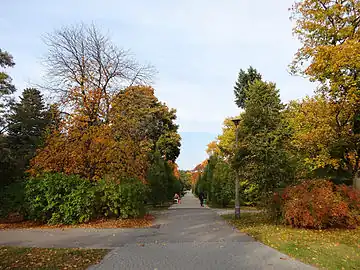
(197, 47)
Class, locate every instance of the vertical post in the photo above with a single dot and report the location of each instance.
(237, 201)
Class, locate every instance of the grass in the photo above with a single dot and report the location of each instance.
(326, 249)
(49, 258)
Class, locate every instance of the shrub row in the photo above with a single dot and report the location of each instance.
(318, 204)
(69, 199)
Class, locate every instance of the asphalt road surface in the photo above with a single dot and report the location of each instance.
(186, 236)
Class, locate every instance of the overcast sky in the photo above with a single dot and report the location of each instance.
(198, 47)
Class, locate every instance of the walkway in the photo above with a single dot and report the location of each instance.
(189, 201)
(186, 237)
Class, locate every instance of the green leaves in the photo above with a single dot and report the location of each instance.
(245, 79)
(261, 156)
(27, 123)
(57, 198)
(63, 199)
(6, 88)
(161, 180)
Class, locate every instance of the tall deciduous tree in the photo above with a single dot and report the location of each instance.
(245, 78)
(226, 140)
(121, 147)
(92, 152)
(86, 69)
(330, 54)
(138, 112)
(316, 137)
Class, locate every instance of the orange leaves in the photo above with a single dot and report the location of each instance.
(90, 151)
(319, 204)
(175, 169)
(94, 142)
(212, 148)
(99, 223)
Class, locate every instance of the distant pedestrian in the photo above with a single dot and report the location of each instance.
(177, 198)
(201, 198)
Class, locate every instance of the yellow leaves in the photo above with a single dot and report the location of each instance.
(96, 141)
(212, 148)
(314, 130)
(329, 33)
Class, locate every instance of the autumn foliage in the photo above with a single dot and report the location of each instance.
(89, 151)
(320, 204)
(87, 145)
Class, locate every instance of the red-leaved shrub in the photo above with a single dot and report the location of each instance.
(320, 204)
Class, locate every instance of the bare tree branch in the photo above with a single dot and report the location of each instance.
(81, 57)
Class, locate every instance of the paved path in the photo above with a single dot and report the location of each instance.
(189, 201)
(186, 236)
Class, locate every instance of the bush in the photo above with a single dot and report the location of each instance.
(132, 195)
(108, 199)
(12, 199)
(69, 199)
(57, 198)
(124, 200)
(319, 204)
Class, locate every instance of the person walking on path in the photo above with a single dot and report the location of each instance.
(201, 198)
(177, 198)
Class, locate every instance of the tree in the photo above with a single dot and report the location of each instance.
(6, 87)
(245, 78)
(223, 183)
(93, 152)
(226, 140)
(139, 113)
(262, 156)
(196, 174)
(185, 178)
(27, 123)
(212, 148)
(315, 136)
(162, 182)
(123, 147)
(6, 90)
(329, 32)
(86, 69)
(226, 157)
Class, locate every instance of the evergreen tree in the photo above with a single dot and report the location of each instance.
(6, 91)
(26, 125)
(161, 180)
(6, 87)
(223, 182)
(262, 134)
(245, 79)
